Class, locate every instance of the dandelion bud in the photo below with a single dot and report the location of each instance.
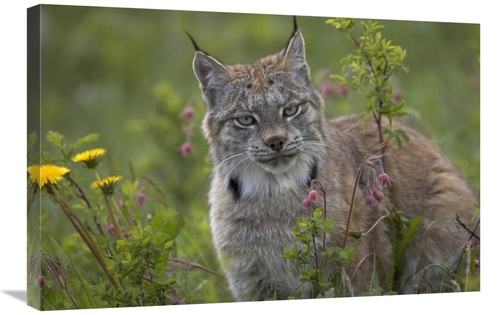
(111, 229)
(186, 149)
(370, 201)
(41, 281)
(313, 195)
(306, 203)
(384, 179)
(356, 233)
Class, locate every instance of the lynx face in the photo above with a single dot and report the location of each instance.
(263, 120)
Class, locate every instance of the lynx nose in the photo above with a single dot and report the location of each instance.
(276, 143)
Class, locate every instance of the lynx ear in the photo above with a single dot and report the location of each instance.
(294, 57)
(211, 74)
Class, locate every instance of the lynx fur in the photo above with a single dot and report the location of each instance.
(268, 138)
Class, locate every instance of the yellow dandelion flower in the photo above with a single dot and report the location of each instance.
(91, 158)
(46, 174)
(107, 185)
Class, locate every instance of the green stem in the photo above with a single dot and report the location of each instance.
(120, 213)
(97, 174)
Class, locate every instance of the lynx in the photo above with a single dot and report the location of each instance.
(269, 138)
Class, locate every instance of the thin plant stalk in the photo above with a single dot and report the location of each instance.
(195, 265)
(113, 219)
(84, 234)
(358, 176)
(61, 284)
(97, 174)
(323, 190)
(296, 288)
(394, 240)
(89, 242)
(324, 214)
(120, 213)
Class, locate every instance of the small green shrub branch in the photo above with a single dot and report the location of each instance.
(369, 70)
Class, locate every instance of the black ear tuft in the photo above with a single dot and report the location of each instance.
(195, 45)
(295, 30)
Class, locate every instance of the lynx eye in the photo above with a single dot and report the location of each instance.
(245, 120)
(290, 111)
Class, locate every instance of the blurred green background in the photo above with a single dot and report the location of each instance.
(126, 75)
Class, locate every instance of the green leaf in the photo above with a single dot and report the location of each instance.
(88, 138)
(302, 223)
(169, 244)
(409, 234)
(174, 226)
(318, 213)
(330, 223)
(129, 188)
(56, 139)
(330, 293)
(402, 134)
(400, 112)
(348, 253)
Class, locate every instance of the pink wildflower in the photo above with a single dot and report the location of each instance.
(378, 195)
(306, 203)
(326, 88)
(470, 244)
(188, 113)
(41, 281)
(384, 179)
(342, 90)
(313, 195)
(141, 199)
(186, 149)
(111, 229)
(396, 96)
(370, 201)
